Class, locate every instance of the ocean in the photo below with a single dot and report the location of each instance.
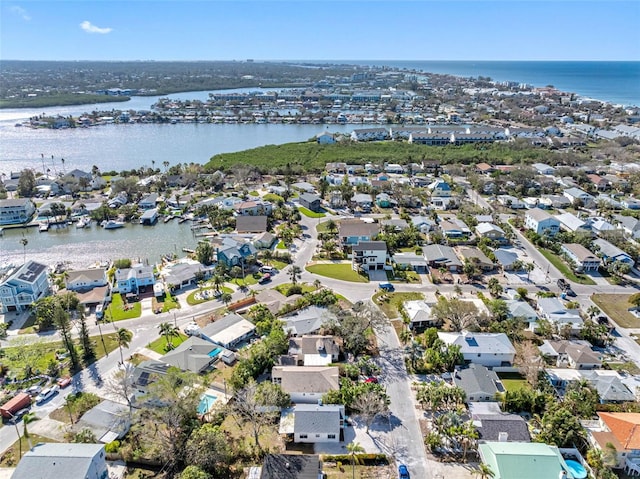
(614, 82)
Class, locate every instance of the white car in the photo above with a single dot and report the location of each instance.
(46, 394)
(191, 329)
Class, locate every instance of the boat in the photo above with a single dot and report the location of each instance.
(83, 222)
(112, 224)
(43, 227)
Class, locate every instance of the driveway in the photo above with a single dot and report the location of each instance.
(378, 275)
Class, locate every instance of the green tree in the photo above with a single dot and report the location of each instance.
(88, 350)
(295, 273)
(561, 427)
(26, 183)
(354, 448)
(495, 288)
(484, 471)
(193, 472)
(124, 337)
(208, 448)
(28, 419)
(63, 324)
(205, 253)
(458, 314)
(169, 331)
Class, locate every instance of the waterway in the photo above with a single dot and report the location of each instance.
(84, 247)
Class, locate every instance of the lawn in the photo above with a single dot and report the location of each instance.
(390, 303)
(10, 456)
(310, 214)
(565, 269)
(281, 245)
(192, 301)
(117, 310)
(169, 303)
(343, 272)
(279, 265)
(616, 307)
(248, 280)
(284, 287)
(513, 381)
(160, 344)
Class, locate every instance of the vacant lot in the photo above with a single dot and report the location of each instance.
(343, 272)
(616, 307)
(390, 303)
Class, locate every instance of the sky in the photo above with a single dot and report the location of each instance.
(320, 30)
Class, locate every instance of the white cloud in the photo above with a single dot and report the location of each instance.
(21, 12)
(88, 27)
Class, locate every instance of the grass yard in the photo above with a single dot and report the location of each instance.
(248, 280)
(117, 310)
(310, 214)
(281, 245)
(616, 307)
(169, 303)
(10, 457)
(343, 272)
(29, 326)
(277, 264)
(629, 367)
(192, 301)
(75, 406)
(390, 303)
(306, 288)
(564, 268)
(160, 344)
(513, 381)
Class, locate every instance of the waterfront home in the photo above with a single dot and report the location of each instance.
(251, 224)
(132, 280)
(611, 253)
(541, 222)
(229, 331)
(185, 273)
(325, 138)
(369, 255)
(486, 349)
(306, 384)
(149, 217)
(194, 354)
(351, 232)
(478, 382)
(63, 460)
(313, 423)
(234, 252)
(16, 211)
(253, 208)
(371, 134)
(86, 279)
(581, 258)
(24, 286)
(148, 201)
(311, 201)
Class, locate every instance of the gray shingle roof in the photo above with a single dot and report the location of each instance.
(58, 460)
(315, 419)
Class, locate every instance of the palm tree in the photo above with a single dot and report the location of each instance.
(166, 165)
(169, 331)
(295, 273)
(124, 337)
(226, 298)
(528, 267)
(28, 419)
(405, 336)
(354, 448)
(331, 226)
(24, 242)
(317, 283)
(218, 281)
(484, 471)
(267, 256)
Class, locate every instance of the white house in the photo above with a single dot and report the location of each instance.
(313, 423)
(554, 311)
(440, 188)
(86, 279)
(228, 331)
(541, 222)
(13, 212)
(487, 349)
(571, 223)
(582, 258)
(63, 460)
(544, 169)
(368, 255)
(24, 286)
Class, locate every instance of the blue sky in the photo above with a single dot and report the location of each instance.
(320, 30)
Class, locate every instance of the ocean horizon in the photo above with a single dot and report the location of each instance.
(616, 82)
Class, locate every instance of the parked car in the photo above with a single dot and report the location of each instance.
(387, 287)
(34, 390)
(191, 329)
(371, 380)
(403, 472)
(265, 279)
(18, 415)
(46, 394)
(63, 382)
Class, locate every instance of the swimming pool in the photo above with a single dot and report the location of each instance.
(207, 401)
(576, 469)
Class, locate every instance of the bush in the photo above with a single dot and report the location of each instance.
(364, 459)
(294, 289)
(112, 447)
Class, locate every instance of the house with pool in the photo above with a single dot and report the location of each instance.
(195, 354)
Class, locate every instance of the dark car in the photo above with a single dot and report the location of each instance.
(18, 416)
(403, 472)
(387, 287)
(570, 292)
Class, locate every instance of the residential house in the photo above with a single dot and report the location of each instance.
(574, 194)
(364, 201)
(630, 203)
(16, 211)
(622, 431)
(24, 286)
(599, 182)
(440, 256)
(576, 354)
(491, 231)
(313, 423)
(383, 200)
(608, 383)
(522, 310)
(419, 314)
(234, 252)
(336, 167)
(132, 280)
(424, 224)
(63, 460)
(353, 231)
(439, 188)
(554, 201)
(524, 460)
(306, 384)
(505, 258)
(228, 331)
(186, 273)
(478, 383)
(304, 187)
(146, 373)
(194, 354)
(476, 256)
(148, 202)
(630, 225)
(251, 224)
(600, 226)
(541, 222)
(543, 169)
(484, 169)
(289, 466)
(581, 258)
(307, 321)
(570, 222)
(369, 255)
(311, 202)
(253, 208)
(554, 311)
(454, 228)
(611, 253)
(394, 224)
(512, 202)
(411, 261)
(501, 427)
(86, 279)
(108, 421)
(486, 349)
(264, 240)
(314, 350)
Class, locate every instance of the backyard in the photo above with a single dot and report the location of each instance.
(513, 381)
(616, 306)
(342, 272)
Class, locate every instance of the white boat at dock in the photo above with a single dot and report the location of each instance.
(43, 227)
(83, 222)
(112, 224)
